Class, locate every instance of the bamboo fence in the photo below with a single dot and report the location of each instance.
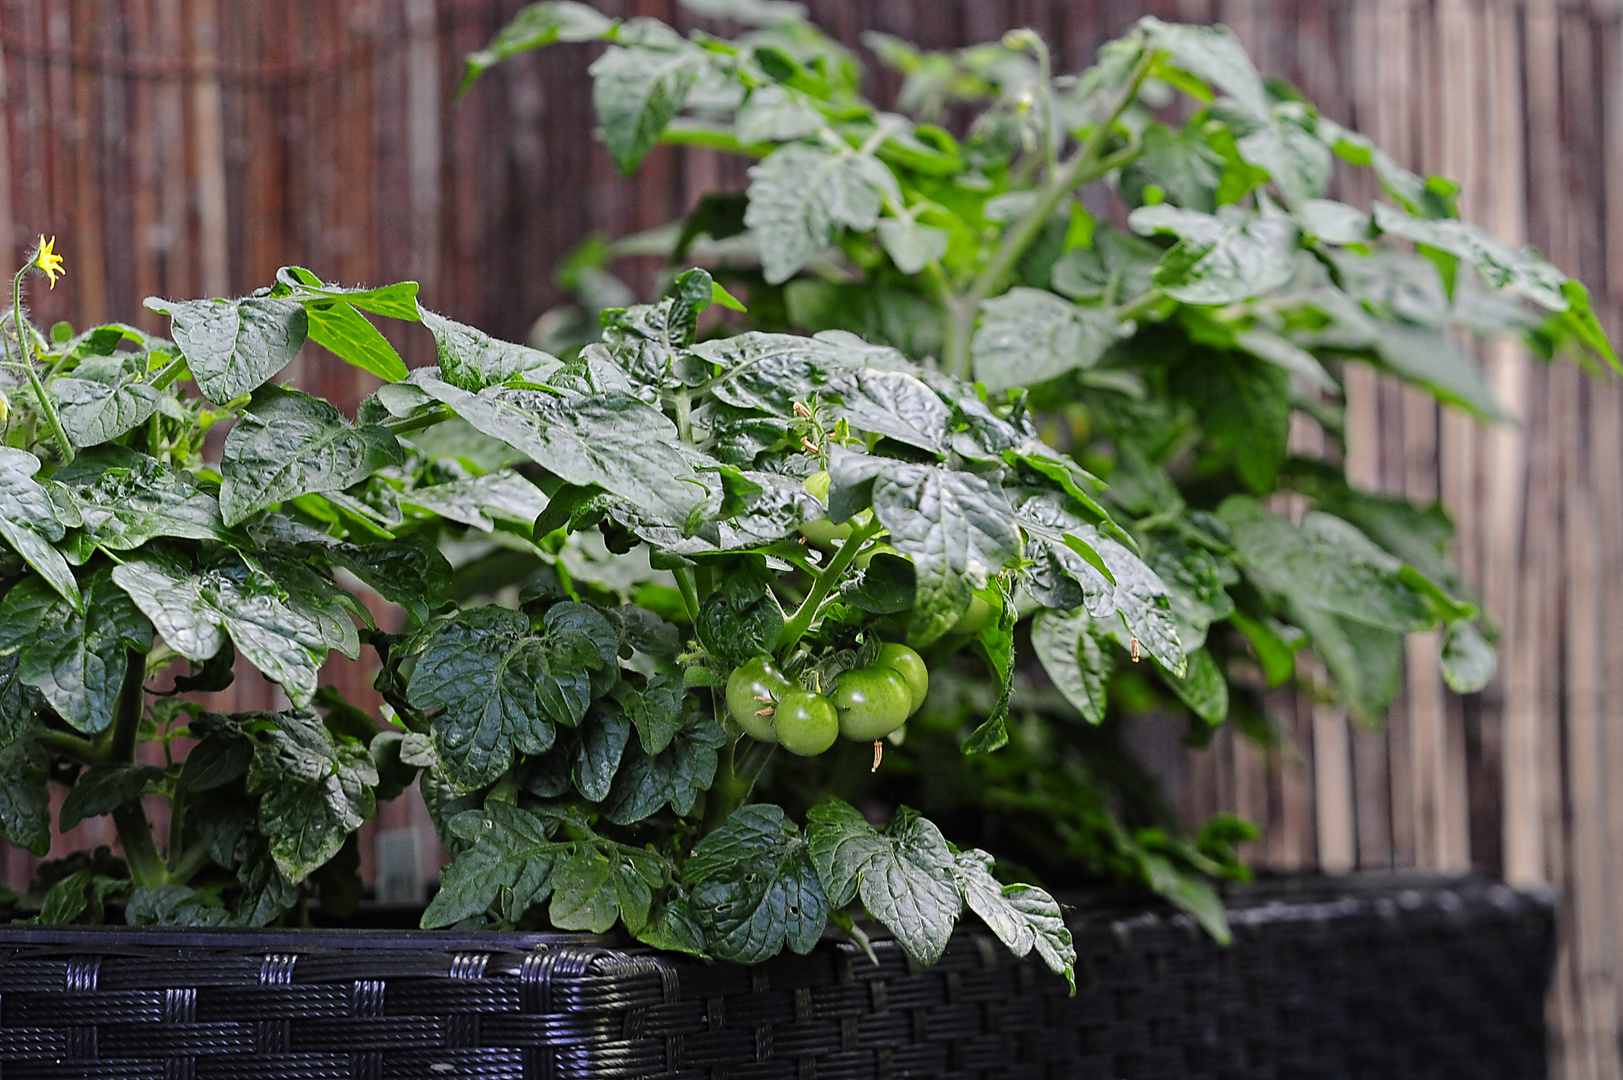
(190, 147)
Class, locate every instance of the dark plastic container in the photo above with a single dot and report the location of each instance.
(1366, 978)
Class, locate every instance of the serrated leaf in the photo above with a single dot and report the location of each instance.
(1499, 264)
(535, 26)
(283, 634)
(754, 889)
(603, 737)
(495, 687)
(343, 331)
(104, 788)
(513, 853)
(234, 346)
(1212, 54)
(25, 805)
(215, 761)
(1284, 353)
(1028, 336)
(94, 412)
(655, 711)
(126, 499)
(1079, 667)
(613, 440)
(1202, 687)
(775, 113)
(480, 501)
(904, 873)
(1023, 917)
(637, 91)
(314, 790)
(956, 527)
(911, 246)
(594, 885)
(30, 522)
(174, 905)
(801, 195)
(673, 777)
(895, 404)
(410, 571)
(1220, 259)
(1284, 145)
(397, 301)
(1468, 660)
(20, 704)
(471, 360)
(1325, 564)
(289, 444)
(76, 661)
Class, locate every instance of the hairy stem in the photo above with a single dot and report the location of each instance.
(43, 400)
(823, 584)
(1083, 167)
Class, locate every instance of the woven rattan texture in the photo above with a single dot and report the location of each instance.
(1442, 982)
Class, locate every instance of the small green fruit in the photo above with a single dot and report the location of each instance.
(753, 687)
(806, 723)
(872, 702)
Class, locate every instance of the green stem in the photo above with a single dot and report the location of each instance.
(71, 746)
(1083, 167)
(43, 400)
(690, 598)
(405, 425)
(686, 132)
(134, 830)
(1133, 309)
(736, 772)
(190, 862)
(823, 584)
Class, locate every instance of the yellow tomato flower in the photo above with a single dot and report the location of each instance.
(48, 260)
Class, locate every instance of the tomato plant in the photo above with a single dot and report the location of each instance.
(1162, 288)
(619, 579)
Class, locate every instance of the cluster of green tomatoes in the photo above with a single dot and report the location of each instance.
(864, 704)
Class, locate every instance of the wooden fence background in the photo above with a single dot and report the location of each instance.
(190, 147)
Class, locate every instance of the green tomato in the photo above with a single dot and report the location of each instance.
(910, 666)
(806, 722)
(753, 686)
(872, 702)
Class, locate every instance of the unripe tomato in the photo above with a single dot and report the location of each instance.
(910, 666)
(746, 687)
(806, 722)
(872, 702)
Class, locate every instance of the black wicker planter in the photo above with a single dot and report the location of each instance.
(1388, 980)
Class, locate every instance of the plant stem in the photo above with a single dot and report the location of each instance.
(134, 831)
(689, 132)
(1134, 308)
(190, 862)
(736, 772)
(827, 577)
(405, 425)
(71, 746)
(41, 399)
(690, 598)
(1084, 166)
